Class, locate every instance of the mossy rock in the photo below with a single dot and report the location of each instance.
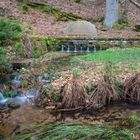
(13, 105)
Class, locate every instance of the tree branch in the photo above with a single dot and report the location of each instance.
(135, 3)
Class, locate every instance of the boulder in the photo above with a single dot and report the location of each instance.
(13, 105)
(80, 29)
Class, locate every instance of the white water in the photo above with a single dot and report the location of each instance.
(62, 48)
(21, 99)
(16, 80)
(27, 98)
(1, 96)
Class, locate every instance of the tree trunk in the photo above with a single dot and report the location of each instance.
(112, 13)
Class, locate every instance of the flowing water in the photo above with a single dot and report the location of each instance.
(16, 80)
(93, 45)
(21, 98)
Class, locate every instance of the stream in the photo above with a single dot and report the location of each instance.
(21, 98)
(29, 122)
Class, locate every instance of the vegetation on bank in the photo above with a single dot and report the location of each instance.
(115, 56)
(9, 30)
(80, 131)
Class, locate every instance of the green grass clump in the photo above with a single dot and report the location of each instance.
(77, 131)
(118, 26)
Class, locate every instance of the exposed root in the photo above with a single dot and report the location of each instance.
(132, 89)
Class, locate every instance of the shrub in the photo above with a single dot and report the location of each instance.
(52, 44)
(36, 53)
(118, 26)
(25, 8)
(39, 51)
(19, 49)
(122, 23)
(134, 120)
(5, 65)
(9, 29)
(35, 46)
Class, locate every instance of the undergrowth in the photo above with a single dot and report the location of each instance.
(77, 131)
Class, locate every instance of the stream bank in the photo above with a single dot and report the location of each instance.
(44, 126)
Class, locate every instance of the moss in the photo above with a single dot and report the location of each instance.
(78, 1)
(57, 13)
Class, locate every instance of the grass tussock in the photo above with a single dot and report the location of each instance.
(103, 95)
(73, 93)
(106, 90)
(132, 89)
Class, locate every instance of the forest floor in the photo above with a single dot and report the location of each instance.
(46, 25)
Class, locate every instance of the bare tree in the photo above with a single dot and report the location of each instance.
(112, 13)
